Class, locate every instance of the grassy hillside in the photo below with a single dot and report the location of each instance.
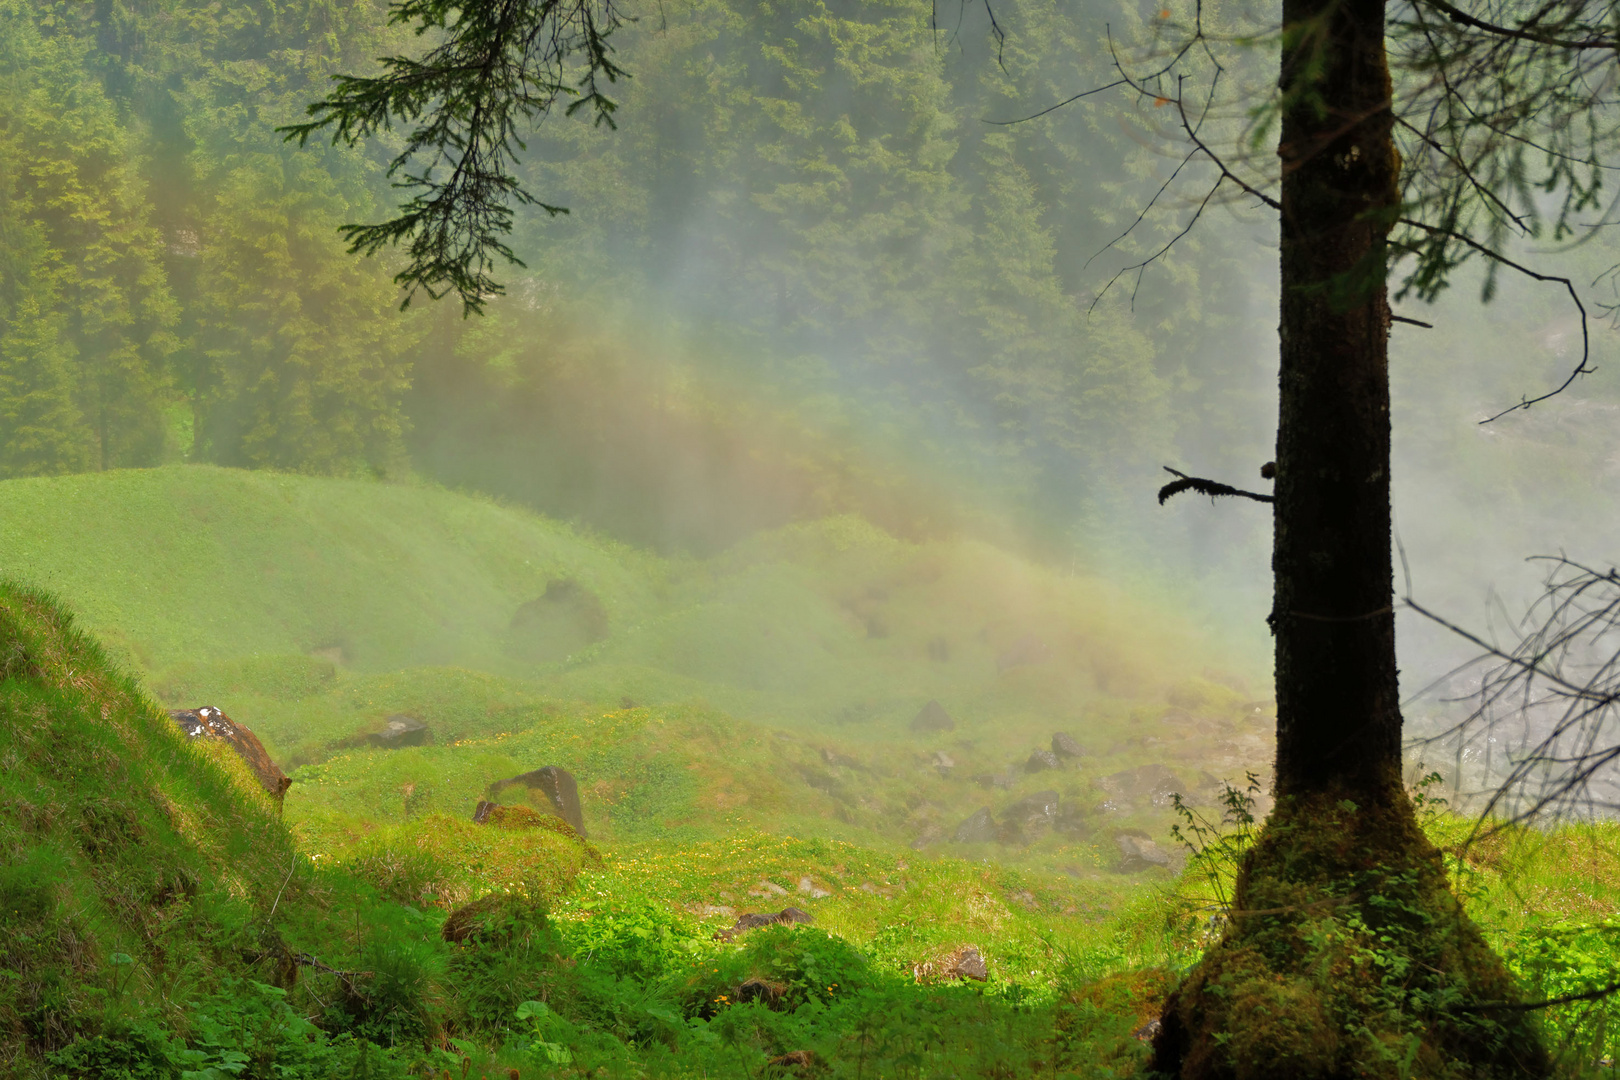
(161, 918)
(192, 564)
(771, 687)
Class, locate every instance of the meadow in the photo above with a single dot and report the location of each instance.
(741, 732)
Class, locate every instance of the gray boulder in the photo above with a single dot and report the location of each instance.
(933, 717)
(1041, 760)
(1032, 811)
(1152, 784)
(967, 963)
(1138, 853)
(980, 828)
(1064, 746)
(401, 730)
(559, 788)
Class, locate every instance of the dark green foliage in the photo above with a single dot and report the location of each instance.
(497, 69)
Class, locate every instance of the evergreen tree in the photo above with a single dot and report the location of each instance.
(75, 195)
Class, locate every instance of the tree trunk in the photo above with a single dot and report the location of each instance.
(1342, 888)
(1338, 710)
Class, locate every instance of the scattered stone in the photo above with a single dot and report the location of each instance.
(1137, 853)
(1148, 1031)
(559, 788)
(1154, 784)
(209, 723)
(811, 889)
(1064, 746)
(1033, 811)
(705, 911)
(401, 730)
(933, 717)
(1041, 760)
(1003, 780)
(1028, 649)
(755, 920)
(980, 828)
(944, 762)
(966, 963)
(767, 888)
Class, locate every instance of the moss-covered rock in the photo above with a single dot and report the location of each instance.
(1348, 956)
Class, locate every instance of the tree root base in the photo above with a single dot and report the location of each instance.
(1347, 957)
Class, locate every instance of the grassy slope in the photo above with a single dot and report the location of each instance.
(832, 634)
(188, 564)
(144, 879)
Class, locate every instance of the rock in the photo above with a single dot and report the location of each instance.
(1011, 834)
(1137, 853)
(566, 618)
(944, 762)
(978, 829)
(1041, 760)
(1148, 1031)
(559, 788)
(1064, 746)
(522, 817)
(767, 888)
(1001, 780)
(1154, 784)
(939, 650)
(933, 717)
(401, 730)
(966, 963)
(1028, 649)
(754, 920)
(1033, 811)
(811, 889)
(209, 723)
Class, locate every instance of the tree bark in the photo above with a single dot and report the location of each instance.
(1338, 710)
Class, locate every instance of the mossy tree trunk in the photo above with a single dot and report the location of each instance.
(1346, 954)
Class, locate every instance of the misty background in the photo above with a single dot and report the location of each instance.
(810, 273)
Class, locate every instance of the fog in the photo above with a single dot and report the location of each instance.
(811, 275)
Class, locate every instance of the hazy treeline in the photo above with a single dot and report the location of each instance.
(807, 196)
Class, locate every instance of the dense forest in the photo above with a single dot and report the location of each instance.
(805, 203)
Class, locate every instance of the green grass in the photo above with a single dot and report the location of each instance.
(312, 610)
(159, 917)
